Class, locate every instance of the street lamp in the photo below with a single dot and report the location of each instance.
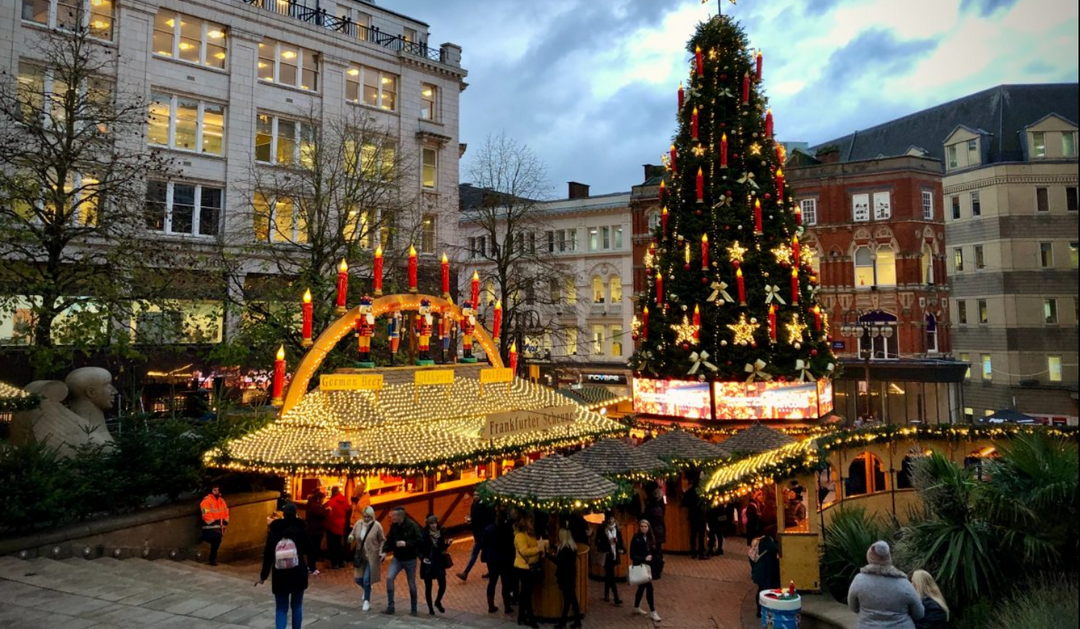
(865, 331)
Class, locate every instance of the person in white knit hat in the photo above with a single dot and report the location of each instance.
(881, 594)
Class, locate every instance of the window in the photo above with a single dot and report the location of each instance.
(961, 312)
(984, 312)
(654, 221)
(878, 344)
(882, 206)
(278, 220)
(43, 96)
(976, 206)
(864, 267)
(1053, 367)
(1074, 258)
(1042, 200)
(617, 237)
(571, 239)
(951, 152)
(598, 340)
(860, 207)
(615, 288)
(973, 152)
(1038, 144)
(285, 64)
(429, 168)
(958, 258)
(571, 291)
(571, 340)
(357, 227)
(809, 211)
(885, 267)
(987, 367)
(931, 334)
(966, 358)
(555, 289)
(1068, 144)
(549, 237)
(927, 205)
(980, 259)
(1046, 254)
(189, 39)
(955, 201)
(1070, 199)
(428, 101)
(427, 233)
(594, 238)
(969, 414)
(186, 124)
(282, 141)
(597, 290)
(1050, 310)
(616, 340)
(927, 264)
(183, 208)
(71, 15)
(371, 87)
(605, 237)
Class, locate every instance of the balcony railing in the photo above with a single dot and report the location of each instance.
(319, 17)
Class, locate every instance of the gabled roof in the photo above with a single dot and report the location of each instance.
(1004, 111)
(1047, 117)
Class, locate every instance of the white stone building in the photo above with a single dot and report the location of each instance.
(228, 80)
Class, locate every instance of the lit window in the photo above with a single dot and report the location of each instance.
(571, 335)
(371, 87)
(1074, 258)
(189, 39)
(1053, 366)
(809, 211)
(429, 172)
(181, 208)
(278, 220)
(615, 288)
(1046, 254)
(186, 124)
(1038, 144)
(96, 16)
(864, 267)
(357, 227)
(598, 340)
(987, 367)
(966, 358)
(1068, 144)
(597, 290)
(594, 238)
(571, 291)
(885, 267)
(616, 341)
(927, 205)
(927, 264)
(427, 233)
(1050, 311)
(289, 65)
(958, 258)
(984, 311)
(282, 141)
(428, 101)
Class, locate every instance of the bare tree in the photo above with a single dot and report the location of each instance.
(73, 170)
(530, 283)
(335, 193)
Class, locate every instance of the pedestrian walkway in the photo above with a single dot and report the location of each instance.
(107, 593)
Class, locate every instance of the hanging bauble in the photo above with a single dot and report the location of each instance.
(685, 346)
(813, 352)
(782, 379)
(686, 267)
(704, 280)
(767, 196)
(701, 377)
(723, 76)
(697, 212)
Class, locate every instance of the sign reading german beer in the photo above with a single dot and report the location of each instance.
(434, 376)
(494, 375)
(351, 382)
(510, 423)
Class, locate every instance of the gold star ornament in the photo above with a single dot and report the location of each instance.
(795, 330)
(684, 332)
(744, 330)
(736, 252)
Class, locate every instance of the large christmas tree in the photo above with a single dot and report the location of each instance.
(727, 278)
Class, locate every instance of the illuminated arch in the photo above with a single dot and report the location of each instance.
(380, 306)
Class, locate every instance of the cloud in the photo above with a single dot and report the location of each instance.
(985, 7)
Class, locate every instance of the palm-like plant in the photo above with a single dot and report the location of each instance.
(849, 534)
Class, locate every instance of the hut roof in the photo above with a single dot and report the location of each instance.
(614, 457)
(554, 484)
(755, 439)
(681, 447)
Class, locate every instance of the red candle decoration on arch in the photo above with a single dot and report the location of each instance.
(475, 290)
(700, 186)
(342, 286)
(445, 277)
(663, 193)
(699, 62)
(759, 61)
(496, 320)
(306, 316)
(759, 226)
(704, 252)
(377, 271)
(741, 286)
(278, 386)
(682, 97)
(746, 88)
(798, 215)
(794, 286)
(723, 151)
(694, 124)
(659, 289)
(513, 357)
(768, 123)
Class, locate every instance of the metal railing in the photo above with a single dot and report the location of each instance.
(299, 10)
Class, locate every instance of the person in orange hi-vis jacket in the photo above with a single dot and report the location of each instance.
(215, 517)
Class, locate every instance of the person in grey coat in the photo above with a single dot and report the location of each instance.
(881, 594)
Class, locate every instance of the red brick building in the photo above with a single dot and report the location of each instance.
(644, 216)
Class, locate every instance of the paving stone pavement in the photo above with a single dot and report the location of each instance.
(106, 593)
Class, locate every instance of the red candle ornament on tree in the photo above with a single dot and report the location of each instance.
(305, 309)
(817, 318)
(741, 285)
(759, 59)
(513, 357)
(795, 250)
(699, 62)
(645, 324)
(700, 186)
(663, 193)
(723, 151)
(697, 323)
(758, 224)
(794, 286)
(377, 272)
(342, 286)
(704, 252)
(674, 154)
(682, 97)
(768, 123)
(663, 221)
(746, 88)
(659, 288)
(412, 269)
(694, 124)
(475, 290)
(276, 397)
(798, 215)
(496, 320)
(772, 323)
(779, 185)
(445, 277)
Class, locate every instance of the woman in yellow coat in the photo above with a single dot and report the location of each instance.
(527, 555)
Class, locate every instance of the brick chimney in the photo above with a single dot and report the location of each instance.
(578, 190)
(828, 154)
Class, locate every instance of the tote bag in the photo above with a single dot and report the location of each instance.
(639, 574)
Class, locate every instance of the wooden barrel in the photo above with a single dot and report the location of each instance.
(548, 600)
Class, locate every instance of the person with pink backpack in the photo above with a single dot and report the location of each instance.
(287, 545)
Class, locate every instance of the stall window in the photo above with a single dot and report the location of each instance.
(866, 475)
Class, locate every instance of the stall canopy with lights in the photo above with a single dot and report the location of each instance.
(615, 459)
(756, 439)
(683, 449)
(554, 484)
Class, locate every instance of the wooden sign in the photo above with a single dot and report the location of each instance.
(351, 382)
(494, 374)
(510, 423)
(433, 377)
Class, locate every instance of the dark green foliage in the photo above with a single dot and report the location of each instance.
(847, 537)
(1047, 605)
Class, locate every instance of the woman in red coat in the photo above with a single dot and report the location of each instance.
(336, 520)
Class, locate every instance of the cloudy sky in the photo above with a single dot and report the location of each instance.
(590, 85)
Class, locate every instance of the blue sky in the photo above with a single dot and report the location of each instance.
(590, 85)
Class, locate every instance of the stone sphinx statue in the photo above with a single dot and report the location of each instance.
(89, 393)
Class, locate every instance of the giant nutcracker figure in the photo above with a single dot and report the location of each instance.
(423, 328)
(365, 329)
(468, 324)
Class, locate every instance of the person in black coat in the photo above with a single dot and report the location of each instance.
(695, 506)
(480, 515)
(935, 609)
(504, 542)
(288, 584)
(609, 543)
(566, 558)
(433, 547)
(765, 571)
(717, 519)
(655, 509)
(491, 555)
(645, 550)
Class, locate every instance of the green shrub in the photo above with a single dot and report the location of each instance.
(1047, 605)
(847, 539)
